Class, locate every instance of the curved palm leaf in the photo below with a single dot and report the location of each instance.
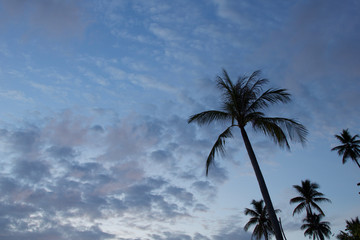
(218, 147)
(270, 96)
(299, 208)
(208, 117)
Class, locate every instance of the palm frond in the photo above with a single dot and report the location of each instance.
(353, 139)
(252, 78)
(340, 138)
(251, 212)
(208, 117)
(317, 207)
(300, 189)
(297, 200)
(322, 199)
(225, 83)
(277, 127)
(271, 129)
(230, 91)
(345, 156)
(340, 149)
(257, 86)
(250, 223)
(218, 147)
(270, 96)
(299, 208)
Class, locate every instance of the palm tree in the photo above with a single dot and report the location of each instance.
(309, 197)
(243, 103)
(259, 218)
(350, 147)
(352, 230)
(315, 228)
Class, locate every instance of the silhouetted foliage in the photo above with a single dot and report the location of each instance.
(315, 228)
(352, 230)
(259, 219)
(243, 103)
(349, 148)
(308, 198)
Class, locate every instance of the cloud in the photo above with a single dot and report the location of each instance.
(59, 174)
(171, 236)
(231, 230)
(24, 141)
(181, 195)
(235, 234)
(318, 55)
(164, 33)
(48, 18)
(16, 95)
(32, 171)
(205, 189)
(200, 208)
(62, 152)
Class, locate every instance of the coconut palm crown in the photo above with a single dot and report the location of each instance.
(259, 218)
(243, 103)
(349, 148)
(316, 228)
(308, 198)
(352, 231)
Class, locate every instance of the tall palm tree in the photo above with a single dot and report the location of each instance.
(315, 228)
(352, 230)
(308, 198)
(349, 148)
(243, 103)
(259, 218)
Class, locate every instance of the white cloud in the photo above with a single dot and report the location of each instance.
(15, 95)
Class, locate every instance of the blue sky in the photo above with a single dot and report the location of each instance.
(95, 97)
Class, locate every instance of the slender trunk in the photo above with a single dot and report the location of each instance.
(262, 185)
(281, 228)
(308, 210)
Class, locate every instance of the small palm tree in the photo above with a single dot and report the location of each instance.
(244, 102)
(315, 228)
(259, 218)
(349, 148)
(352, 230)
(309, 197)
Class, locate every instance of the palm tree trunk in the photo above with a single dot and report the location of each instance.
(308, 211)
(262, 185)
(282, 230)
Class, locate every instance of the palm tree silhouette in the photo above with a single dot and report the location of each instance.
(315, 228)
(243, 103)
(352, 230)
(350, 147)
(259, 218)
(309, 197)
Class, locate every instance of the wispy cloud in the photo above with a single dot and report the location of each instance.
(15, 95)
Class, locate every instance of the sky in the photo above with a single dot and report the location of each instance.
(95, 97)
